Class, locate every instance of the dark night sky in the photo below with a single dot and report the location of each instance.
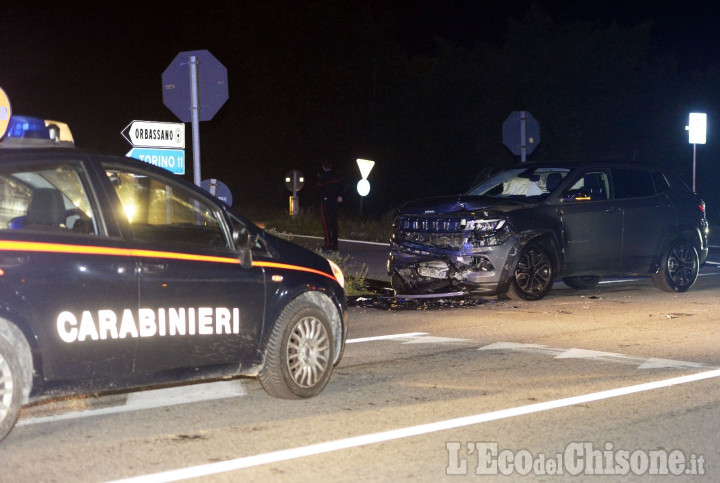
(97, 65)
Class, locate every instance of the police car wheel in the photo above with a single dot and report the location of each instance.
(10, 387)
(299, 354)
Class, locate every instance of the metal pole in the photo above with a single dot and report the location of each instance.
(694, 164)
(294, 209)
(195, 107)
(523, 142)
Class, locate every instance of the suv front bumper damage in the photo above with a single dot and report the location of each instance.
(472, 269)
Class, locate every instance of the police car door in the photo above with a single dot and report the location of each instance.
(66, 277)
(199, 306)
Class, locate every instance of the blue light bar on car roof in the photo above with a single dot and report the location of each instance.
(26, 131)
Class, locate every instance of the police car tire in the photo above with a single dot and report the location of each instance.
(299, 354)
(11, 387)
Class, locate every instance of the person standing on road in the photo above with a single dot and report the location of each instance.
(331, 190)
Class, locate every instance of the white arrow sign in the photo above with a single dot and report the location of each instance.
(151, 134)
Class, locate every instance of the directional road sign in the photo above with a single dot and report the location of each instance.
(152, 134)
(212, 85)
(171, 159)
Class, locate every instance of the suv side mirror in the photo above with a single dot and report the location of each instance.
(577, 195)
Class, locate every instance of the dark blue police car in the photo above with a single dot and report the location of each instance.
(116, 274)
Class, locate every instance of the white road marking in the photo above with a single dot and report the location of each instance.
(362, 242)
(363, 440)
(431, 339)
(158, 398)
(386, 337)
(152, 399)
(411, 338)
(560, 353)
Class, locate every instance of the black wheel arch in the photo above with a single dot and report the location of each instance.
(332, 303)
(690, 234)
(546, 239)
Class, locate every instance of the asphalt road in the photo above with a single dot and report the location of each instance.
(619, 380)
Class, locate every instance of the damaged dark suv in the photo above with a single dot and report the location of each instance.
(521, 229)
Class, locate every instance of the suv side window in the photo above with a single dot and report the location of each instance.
(661, 184)
(165, 213)
(48, 198)
(632, 183)
(592, 184)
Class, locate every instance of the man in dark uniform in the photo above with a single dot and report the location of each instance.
(330, 187)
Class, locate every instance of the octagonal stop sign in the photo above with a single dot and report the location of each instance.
(212, 85)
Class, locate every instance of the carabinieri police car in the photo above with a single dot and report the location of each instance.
(115, 274)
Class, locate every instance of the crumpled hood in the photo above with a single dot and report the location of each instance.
(458, 203)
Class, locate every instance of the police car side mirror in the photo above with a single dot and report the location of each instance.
(245, 242)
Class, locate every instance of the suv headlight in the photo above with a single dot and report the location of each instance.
(484, 226)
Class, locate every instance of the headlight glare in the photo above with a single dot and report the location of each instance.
(338, 273)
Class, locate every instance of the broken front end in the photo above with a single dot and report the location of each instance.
(438, 254)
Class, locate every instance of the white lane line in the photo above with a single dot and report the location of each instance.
(153, 399)
(356, 441)
(562, 353)
(380, 244)
(158, 398)
(408, 335)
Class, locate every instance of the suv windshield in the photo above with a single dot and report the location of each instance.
(521, 183)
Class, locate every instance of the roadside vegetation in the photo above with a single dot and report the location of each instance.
(307, 223)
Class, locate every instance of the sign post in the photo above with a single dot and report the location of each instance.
(521, 133)
(697, 130)
(194, 89)
(294, 181)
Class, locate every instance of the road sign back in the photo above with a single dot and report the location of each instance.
(521, 133)
(212, 85)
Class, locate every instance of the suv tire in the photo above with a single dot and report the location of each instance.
(299, 354)
(533, 275)
(679, 267)
(11, 386)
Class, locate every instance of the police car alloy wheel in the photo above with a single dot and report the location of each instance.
(299, 354)
(10, 388)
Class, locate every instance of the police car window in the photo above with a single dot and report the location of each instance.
(45, 198)
(158, 211)
(242, 232)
